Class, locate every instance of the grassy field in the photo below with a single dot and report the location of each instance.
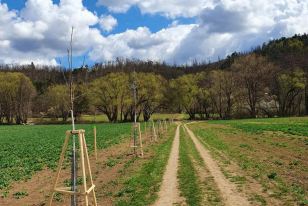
(25, 150)
(103, 118)
(274, 152)
(267, 159)
(28, 153)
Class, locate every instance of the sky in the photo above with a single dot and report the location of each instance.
(175, 31)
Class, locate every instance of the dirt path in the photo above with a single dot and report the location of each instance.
(169, 193)
(228, 190)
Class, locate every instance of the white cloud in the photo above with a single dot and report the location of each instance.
(117, 6)
(222, 27)
(141, 44)
(239, 25)
(5, 14)
(170, 8)
(107, 23)
(174, 23)
(41, 31)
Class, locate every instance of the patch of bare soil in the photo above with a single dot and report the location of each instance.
(228, 190)
(169, 193)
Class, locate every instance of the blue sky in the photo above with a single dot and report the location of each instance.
(173, 31)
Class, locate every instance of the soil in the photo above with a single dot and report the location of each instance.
(228, 190)
(169, 193)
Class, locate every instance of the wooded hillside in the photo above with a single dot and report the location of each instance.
(270, 80)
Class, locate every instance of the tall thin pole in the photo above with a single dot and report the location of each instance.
(151, 130)
(74, 162)
(134, 87)
(95, 150)
(74, 165)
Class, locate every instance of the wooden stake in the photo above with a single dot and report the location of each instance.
(89, 169)
(145, 127)
(85, 167)
(160, 129)
(140, 138)
(95, 149)
(152, 130)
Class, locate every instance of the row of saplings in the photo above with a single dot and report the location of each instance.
(134, 145)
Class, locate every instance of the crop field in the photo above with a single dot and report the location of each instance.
(103, 118)
(27, 149)
(263, 161)
(270, 152)
(29, 156)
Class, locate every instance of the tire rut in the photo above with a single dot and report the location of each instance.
(228, 190)
(169, 193)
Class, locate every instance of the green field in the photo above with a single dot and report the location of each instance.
(293, 126)
(271, 153)
(103, 118)
(25, 150)
(34, 149)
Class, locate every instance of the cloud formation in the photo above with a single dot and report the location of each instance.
(40, 32)
(141, 44)
(171, 8)
(241, 24)
(223, 26)
(107, 22)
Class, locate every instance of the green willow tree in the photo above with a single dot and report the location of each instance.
(107, 94)
(151, 93)
(290, 86)
(185, 91)
(16, 93)
(59, 101)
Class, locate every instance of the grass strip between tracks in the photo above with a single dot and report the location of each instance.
(187, 174)
(141, 188)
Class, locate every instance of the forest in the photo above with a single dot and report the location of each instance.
(268, 81)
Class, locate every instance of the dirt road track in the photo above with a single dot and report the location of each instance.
(169, 193)
(228, 190)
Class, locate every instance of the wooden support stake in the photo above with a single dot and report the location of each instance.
(95, 149)
(160, 129)
(165, 125)
(152, 130)
(145, 127)
(85, 165)
(140, 138)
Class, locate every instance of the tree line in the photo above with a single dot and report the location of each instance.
(251, 87)
(267, 81)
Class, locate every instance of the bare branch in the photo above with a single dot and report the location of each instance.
(84, 59)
